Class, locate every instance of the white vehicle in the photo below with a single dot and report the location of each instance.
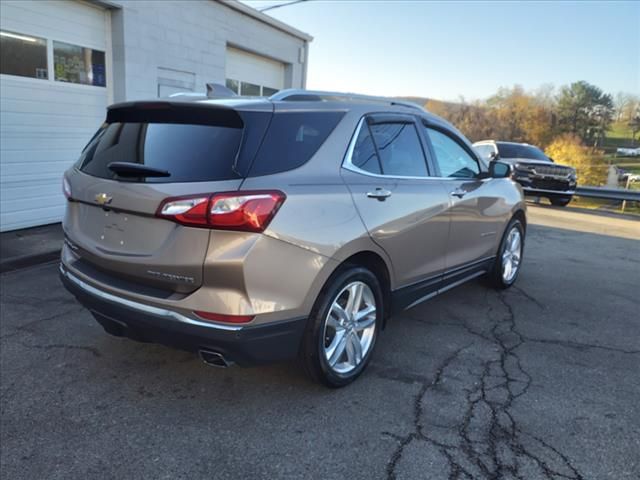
(628, 152)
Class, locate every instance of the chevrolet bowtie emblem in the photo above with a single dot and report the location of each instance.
(103, 199)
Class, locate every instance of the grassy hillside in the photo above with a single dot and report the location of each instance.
(619, 136)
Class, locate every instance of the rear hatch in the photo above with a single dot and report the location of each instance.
(142, 155)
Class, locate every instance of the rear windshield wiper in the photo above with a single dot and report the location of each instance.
(129, 169)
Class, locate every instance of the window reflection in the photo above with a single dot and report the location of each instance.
(75, 64)
(23, 55)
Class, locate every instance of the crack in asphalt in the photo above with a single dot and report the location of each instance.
(26, 328)
(51, 346)
(529, 297)
(417, 413)
(482, 439)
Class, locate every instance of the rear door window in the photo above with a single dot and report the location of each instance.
(389, 148)
(399, 149)
(190, 153)
(292, 139)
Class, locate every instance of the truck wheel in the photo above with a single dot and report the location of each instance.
(560, 201)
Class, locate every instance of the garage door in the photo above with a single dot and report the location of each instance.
(250, 74)
(53, 98)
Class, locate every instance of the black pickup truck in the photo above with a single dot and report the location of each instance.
(537, 173)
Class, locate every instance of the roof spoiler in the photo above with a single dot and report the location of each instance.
(174, 112)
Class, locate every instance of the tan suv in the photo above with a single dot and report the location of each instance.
(257, 230)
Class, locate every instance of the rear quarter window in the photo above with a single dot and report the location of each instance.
(292, 139)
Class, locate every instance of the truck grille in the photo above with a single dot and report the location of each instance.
(549, 184)
(553, 170)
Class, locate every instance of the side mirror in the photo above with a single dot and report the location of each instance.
(551, 159)
(500, 169)
(494, 156)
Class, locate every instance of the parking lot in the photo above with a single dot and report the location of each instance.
(540, 381)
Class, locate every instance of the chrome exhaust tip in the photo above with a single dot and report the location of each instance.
(213, 359)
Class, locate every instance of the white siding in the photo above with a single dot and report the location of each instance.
(151, 47)
(192, 36)
(65, 20)
(45, 124)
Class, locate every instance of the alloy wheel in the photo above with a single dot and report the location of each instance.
(511, 255)
(349, 327)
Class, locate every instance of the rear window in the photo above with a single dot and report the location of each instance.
(190, 153)
(513, 150)
(292, 139)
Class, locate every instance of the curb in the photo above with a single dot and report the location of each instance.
(18, 263)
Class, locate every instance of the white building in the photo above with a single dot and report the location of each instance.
(63, 61)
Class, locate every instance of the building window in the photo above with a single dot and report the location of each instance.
(268, 91)
(233, 85)
(23, 55)
(249, 89)
(76, 64)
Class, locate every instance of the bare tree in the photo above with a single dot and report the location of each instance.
(634, 124)
(620, 103)
(631, 108)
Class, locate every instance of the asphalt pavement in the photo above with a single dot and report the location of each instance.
(538, 382)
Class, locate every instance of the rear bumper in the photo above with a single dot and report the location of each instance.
(244, 345)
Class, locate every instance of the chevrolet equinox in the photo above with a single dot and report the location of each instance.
(259, 230)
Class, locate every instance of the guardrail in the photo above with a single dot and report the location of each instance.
(609, 193)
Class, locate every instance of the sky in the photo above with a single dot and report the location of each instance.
(448, 50)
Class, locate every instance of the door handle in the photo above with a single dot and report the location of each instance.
(458, 192)
(381, 194)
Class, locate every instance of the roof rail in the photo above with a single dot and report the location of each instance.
(301, 95)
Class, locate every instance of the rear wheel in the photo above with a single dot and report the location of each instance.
(507, 264)
(343, 327)
(560, 201)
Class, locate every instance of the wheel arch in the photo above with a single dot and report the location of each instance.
(373, 262)
(376, 264)
(522, 216)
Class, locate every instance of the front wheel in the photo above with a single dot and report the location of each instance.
(560, 201)
(343, 327)
(509, 259)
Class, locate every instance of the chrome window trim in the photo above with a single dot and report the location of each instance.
(347, 165)
(141, 307)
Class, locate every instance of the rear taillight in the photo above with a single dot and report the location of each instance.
(186, 210)
(245, 211)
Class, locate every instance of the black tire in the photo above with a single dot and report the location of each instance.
(495, 275)
(312, 353)
(560, 201)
